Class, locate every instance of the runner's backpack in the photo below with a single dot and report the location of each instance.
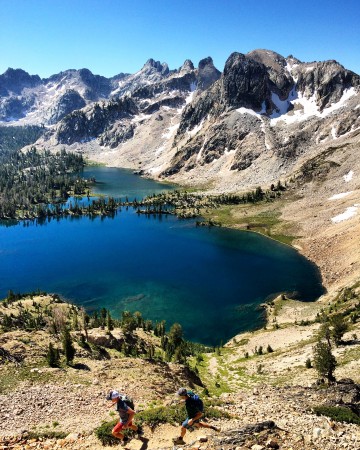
(196, 401)
(129, 401)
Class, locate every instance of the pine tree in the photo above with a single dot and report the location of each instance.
(103, 315)
(340, 327)
(109, 322)
(324, 361)
(176, 334)
(68, 347)
(53, 356)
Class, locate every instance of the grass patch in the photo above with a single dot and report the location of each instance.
(11, 377)
(176, 414)
(218, 384)
(337, 413)
(91, 163)
(351, 354)
(40, 435)
(243, 341)
(261, 218)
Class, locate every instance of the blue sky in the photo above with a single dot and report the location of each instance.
(111, 36)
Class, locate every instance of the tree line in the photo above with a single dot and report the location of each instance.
(186, 204)
(15, 138)
(37, 184)
(69, 324)
(31, 180)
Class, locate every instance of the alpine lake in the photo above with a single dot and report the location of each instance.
(210, 280)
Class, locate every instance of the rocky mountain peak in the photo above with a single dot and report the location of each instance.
(206, 62)
(276, 66)
(207, 73)
(68, 102)
(244, 82)
(15, 80)
(269, 58)
(155, 66)
(188, 66)
(325, 80)
(292, 60)
(91, 87)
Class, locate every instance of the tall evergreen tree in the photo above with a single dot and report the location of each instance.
(340, 327)
(109, 322)
(324, 361)
(52, 356)
(68, 346)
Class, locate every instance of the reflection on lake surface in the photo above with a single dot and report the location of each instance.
(209, 280)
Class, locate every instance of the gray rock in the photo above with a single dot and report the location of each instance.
(207, 73)
(66, 104)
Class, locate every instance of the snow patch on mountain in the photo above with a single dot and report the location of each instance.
(339, 196)
(347, 214)
(196, 129)
(333, 132)
(159, 150)
(243, 110)
(348, 176)
(305, 107)
(171, 131)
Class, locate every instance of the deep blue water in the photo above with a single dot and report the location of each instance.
(209, 280)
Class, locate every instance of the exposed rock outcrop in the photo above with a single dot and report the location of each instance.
(66, 104)
(207, 74)
(83, 125)
(327, 81)
(15, 80)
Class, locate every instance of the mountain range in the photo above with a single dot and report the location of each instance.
(264, 113)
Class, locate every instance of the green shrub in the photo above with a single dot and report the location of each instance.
(338, 413)
(215, 413)
(174, 414)
(308, 363)
(47, 435)
(103, 433)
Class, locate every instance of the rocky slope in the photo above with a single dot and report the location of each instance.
(270, 396)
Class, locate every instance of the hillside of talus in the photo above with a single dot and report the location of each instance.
(261, 388)
(288, 127)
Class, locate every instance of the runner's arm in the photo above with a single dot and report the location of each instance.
(196, 417)
(131, 413)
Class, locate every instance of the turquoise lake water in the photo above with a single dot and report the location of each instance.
(209, 280)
